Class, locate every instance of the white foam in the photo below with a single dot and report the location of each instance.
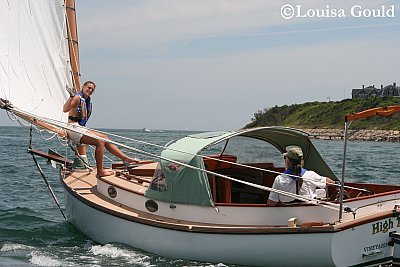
(130, 256)
(217, 265)
(44, 260)
(14, 247)
(200, 264)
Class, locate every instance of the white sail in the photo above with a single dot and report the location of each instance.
(34, 57)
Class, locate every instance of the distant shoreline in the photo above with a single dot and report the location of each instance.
(359, 135)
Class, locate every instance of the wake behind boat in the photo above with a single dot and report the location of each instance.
(200, 199)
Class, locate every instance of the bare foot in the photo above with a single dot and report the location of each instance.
(104, 173)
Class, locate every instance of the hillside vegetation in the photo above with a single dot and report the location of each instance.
(327, 115)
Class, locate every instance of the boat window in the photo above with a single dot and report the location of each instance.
(248, 150)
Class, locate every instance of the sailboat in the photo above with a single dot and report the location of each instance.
(197, 200)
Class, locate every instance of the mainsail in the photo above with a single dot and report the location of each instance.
(34, 57)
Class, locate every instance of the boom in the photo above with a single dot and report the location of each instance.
(381, 111)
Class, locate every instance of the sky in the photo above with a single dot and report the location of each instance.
(211, 64)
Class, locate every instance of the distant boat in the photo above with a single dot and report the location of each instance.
(146, 129)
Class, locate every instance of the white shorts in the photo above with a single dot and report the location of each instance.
(75, 136)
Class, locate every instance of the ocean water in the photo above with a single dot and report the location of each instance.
(34, 233)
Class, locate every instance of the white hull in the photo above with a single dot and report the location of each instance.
(349, 247)
(177, 213)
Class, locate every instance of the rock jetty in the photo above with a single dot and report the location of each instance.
(360, 135)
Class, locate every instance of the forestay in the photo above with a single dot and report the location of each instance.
(34, 57)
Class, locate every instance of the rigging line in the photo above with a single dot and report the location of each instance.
(48, 185)
(66, 156)
(187, 153)
(21, 123)
(64, 125)
(13, 117)
(60, 124)
(92, 153)
(40, 131)
(225, 161)
(43, 175)
(30, 125)
(46, 139)
(105, 156)
(62, 141)
(80, 157)
(374, 203)
(295, 196)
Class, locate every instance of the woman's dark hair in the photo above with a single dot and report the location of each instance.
(87, 82)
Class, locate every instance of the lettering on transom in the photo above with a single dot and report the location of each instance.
(385, 226)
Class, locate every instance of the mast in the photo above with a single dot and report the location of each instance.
(72, 37)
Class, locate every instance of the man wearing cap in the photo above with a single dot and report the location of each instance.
(285, 182)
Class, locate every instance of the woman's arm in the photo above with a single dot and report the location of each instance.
(71, 104)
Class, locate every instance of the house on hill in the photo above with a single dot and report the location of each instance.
(391, 90)
(369, 92)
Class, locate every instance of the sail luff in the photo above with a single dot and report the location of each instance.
(34, 57)
(72, 36)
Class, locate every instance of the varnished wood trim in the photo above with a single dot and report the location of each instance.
(367, 219)
(50, 156)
